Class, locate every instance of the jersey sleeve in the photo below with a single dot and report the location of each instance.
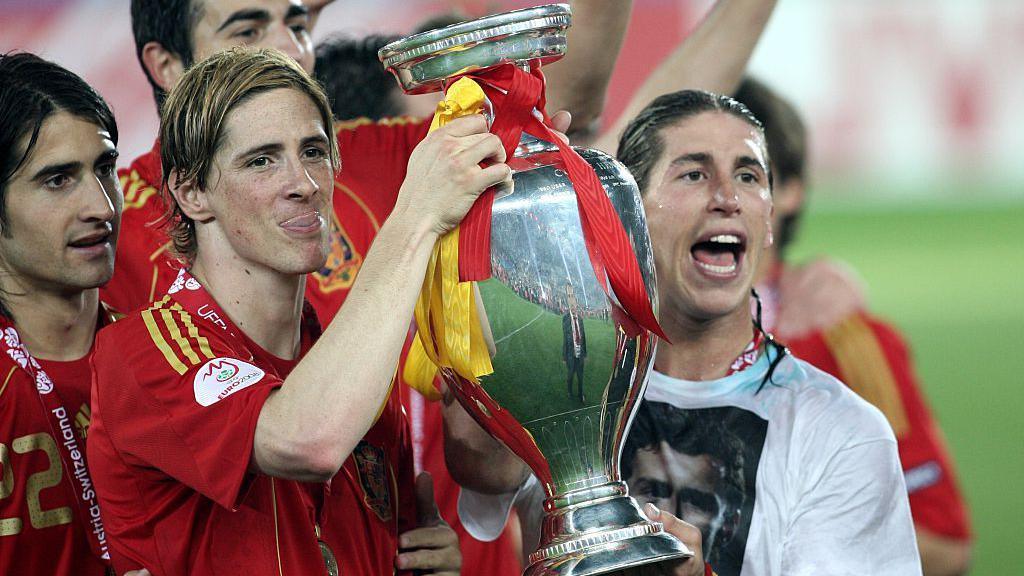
(374, 158)
(876, 363)
(186, 405)
(854, 518)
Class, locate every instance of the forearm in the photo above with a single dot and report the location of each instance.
(328, 402)
(474, 458)
(941, 556)
(579, 81)
(713, 58)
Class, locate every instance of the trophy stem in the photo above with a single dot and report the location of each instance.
(599, 530)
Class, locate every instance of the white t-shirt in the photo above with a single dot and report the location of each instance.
(798, 476)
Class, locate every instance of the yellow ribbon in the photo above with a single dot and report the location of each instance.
(448, 327)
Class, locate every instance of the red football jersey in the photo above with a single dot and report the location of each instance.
(374, 161)
(41, 529)
(176, 398)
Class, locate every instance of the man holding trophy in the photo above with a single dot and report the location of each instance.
(821, 490)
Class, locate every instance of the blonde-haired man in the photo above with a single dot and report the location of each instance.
(218, 413)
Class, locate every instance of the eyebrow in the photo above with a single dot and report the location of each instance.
(256, 14)
(53, 169)
(744, 161)
(268, 148)
(696, 157)
(296, 10)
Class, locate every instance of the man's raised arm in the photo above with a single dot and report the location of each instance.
(713, 58)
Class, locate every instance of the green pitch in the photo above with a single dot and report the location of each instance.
(953, 281)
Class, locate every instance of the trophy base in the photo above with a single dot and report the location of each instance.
(599, 536)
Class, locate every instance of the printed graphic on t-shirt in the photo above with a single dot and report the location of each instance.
(701, 465)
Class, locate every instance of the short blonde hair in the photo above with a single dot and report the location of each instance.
(192, 121)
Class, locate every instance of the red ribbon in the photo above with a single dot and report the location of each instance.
(515, 94)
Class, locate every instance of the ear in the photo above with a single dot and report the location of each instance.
(193, 201)
(163, 66)
(789, 197)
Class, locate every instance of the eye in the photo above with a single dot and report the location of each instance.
(105, 170)
(57, 181)
(314, 153)
(748, 177)
(247, 34)
(299, 29)
(259, 162)
(692, 176)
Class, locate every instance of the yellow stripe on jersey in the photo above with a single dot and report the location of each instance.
(172, 329)
(193, 332)
(866, 370)
(136, 190)
(8, 379)
(149, 319)
(363, 121)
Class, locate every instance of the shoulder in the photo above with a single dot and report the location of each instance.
(366, 132)
(162, 339)
(822, 408)
(140, 181)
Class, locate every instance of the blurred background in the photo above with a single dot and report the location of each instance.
(916, 113)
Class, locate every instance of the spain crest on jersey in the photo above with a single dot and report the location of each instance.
(372, 466)
(343, 262)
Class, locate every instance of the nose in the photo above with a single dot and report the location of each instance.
(303, 185)
(101, 201)
(293, 44)
(724, 197)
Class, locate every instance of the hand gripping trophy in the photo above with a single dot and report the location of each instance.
(550, 350)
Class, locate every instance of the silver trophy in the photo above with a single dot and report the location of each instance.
(567, 374)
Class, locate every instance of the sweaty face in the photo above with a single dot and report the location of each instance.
(271, 183)
(684, 485)
(281, 24)
(63, 209)
(709, 209)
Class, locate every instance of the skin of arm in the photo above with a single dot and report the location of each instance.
(579, 81)
(713, 58)
(309, 426)
(941, 556)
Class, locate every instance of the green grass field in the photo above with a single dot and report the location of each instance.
(953, 281)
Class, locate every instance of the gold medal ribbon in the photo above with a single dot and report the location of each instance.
(448, 326)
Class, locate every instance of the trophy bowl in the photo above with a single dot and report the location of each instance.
(569, 366)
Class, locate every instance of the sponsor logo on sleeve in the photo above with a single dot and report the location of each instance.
(923, 476)
(222, 377)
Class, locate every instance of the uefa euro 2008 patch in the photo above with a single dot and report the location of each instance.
(222, 377)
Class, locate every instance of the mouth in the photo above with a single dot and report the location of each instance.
(719, 254)
(91, 240)
(303, 224)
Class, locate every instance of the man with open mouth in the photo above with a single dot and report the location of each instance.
(814, 485)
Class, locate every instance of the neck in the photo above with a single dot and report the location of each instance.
(263, 303)
(54, 325)
(703, 349)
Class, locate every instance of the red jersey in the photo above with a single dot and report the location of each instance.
(872, 359)
(42, 529)
(177, 391)
(375, 155)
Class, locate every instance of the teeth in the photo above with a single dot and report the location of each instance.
(725, 239)
(717, 269)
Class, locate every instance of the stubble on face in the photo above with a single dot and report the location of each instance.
(708, 208)
(63, 209)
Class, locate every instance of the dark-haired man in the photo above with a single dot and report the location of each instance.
(867, 354)
(823, 478)
(60, 205)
